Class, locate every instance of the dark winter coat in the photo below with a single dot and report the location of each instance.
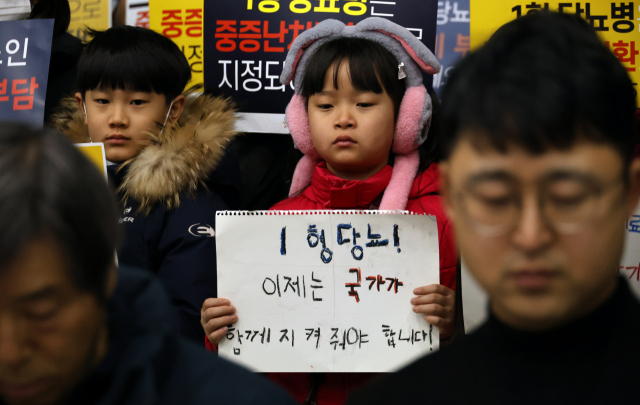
(63, 71)
(591, 360)
(149, 364)
(170, 194)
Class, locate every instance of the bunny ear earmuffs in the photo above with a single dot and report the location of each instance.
(414, 117)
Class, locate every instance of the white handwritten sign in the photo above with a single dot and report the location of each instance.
(326, 290)
(630, 262)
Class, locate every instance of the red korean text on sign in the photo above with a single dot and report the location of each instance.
(21, 94)
(193, 21)
(171, 23)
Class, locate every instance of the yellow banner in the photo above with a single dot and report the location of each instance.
(95, 153)
(618, 23)
(94, 14)
(183, 23)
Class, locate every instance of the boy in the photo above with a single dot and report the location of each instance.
(166, 147)
(539, 181)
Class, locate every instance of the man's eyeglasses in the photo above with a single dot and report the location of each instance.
(568, 203)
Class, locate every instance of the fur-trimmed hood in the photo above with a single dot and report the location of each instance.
(178, 160)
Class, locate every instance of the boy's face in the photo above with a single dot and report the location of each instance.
(542, 234)
(51, 332)
(122, 119)
(352, 130)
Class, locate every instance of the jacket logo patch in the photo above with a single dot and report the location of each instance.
(204, 230)
(125, 218)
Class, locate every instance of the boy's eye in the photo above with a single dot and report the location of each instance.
(102, 101)
(138, 102)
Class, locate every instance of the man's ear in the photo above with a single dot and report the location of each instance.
(112, 282)
(445, 190)
(634, 186)
(177, 108)
(81, 106)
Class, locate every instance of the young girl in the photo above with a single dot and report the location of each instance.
(359, 114)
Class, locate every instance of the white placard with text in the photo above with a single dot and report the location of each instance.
(326, 290)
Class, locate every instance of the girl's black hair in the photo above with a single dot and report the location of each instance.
(133, 58)
(371, 68)
(57, 9)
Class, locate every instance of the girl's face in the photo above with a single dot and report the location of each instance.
(352, 130)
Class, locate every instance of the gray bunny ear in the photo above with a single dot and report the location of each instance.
(325, 29)
(412, 45)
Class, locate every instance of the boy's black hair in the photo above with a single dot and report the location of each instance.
(47, 187)
(57, 9)
(133, 58)
(371, 68)
(541, 81)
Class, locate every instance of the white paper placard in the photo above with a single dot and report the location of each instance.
(630, 262)
(305, 303)
(138, 13)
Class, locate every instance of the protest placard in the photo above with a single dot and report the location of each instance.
(25, 51)
(138, 13)
(615, 21)
(94, 14)
(326, 290)
(95, 153)
(246, 43)
(630, 262)
(452, 38)
(11, 10)
(183, 23)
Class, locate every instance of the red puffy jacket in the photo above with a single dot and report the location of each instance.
(328, 191)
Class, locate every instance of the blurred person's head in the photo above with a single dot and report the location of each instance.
(57, 272)
(539, 178)
(59, 10)
(131, 81)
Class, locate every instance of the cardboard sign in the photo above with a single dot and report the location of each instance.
(138, 13)
(25, 51)
(94, 14)
(95, 153)
(452, 38)
(183, 23)
(247, 41)
(326, 290)
(616, 22)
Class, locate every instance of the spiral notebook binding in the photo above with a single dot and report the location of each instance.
(316, 212)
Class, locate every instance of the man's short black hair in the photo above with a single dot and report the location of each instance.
(48, 188)
(133, 58)
(371, 68)
(542, 81)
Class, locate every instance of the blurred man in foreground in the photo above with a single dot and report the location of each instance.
(73, 328)
(539, 181)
